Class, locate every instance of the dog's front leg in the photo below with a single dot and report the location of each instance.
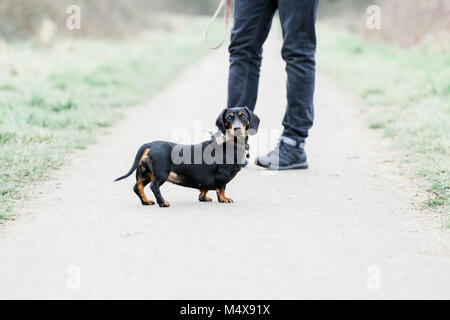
(203, 196)
(221, 196)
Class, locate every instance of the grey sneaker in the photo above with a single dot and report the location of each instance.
(287, 155)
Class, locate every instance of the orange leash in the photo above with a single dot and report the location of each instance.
(228, 6)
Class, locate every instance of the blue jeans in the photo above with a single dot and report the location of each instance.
(252, 22)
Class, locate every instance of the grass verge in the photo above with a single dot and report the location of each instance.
(407, 92)
(57, 99)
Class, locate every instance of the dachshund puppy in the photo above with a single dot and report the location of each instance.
(209, 165)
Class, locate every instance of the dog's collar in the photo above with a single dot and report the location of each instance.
(227, 138)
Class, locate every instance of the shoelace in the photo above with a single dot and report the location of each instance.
(276, 150)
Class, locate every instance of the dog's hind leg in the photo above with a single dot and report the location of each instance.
(156, 184)
(142, 179)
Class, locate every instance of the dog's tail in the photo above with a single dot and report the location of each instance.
(136, 161)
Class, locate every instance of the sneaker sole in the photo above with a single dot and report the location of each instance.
(297, 166)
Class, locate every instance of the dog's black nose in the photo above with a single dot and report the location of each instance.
(237, 128)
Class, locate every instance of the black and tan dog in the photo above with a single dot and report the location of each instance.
(206, 166)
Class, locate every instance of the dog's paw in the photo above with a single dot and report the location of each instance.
(165, 204)
(149, 203)
(225, 200)
(204, 199)
(221, 197)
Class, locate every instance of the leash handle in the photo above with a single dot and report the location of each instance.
(228, 5)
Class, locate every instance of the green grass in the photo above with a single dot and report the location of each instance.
(54, 100)
(407, 93)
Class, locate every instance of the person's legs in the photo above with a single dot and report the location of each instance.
(252, 22)
(299, 47)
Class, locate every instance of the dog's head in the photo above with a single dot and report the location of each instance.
(238, 121)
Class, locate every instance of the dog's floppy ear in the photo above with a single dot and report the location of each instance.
(254, 122)
(220, 123)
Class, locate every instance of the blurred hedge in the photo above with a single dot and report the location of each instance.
(409, 22)
(24, 18)
(404, 21)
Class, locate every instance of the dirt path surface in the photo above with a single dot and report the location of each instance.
(346, 228)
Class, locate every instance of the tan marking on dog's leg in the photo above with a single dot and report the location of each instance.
(141, 193)
(221, 197)
(203, 196)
